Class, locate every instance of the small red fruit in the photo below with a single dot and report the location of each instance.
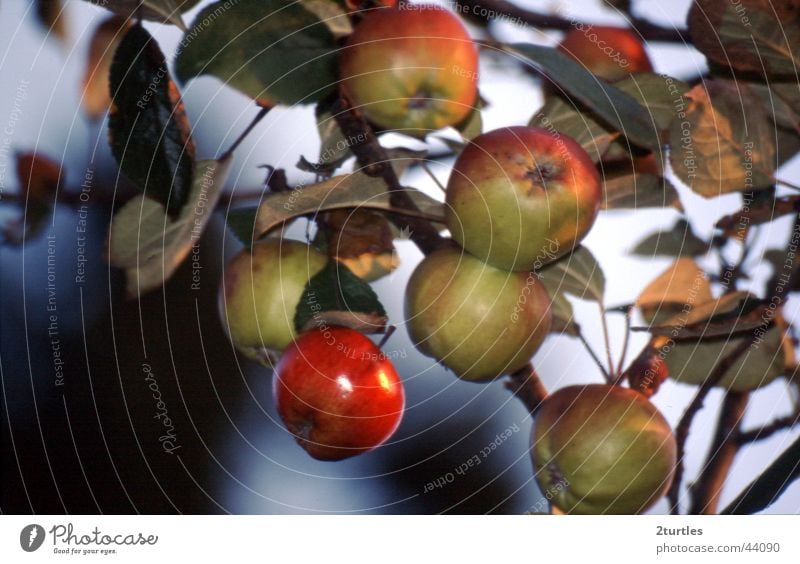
(338, 393)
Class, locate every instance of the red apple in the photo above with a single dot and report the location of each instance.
(412, 68)
(337, 393)
(479, 321)
(612, 53)
(520, 197)
(600, 449)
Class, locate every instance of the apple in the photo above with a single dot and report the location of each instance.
(337, 393)
(520, 197)
(602, 449)
(260, 291)
(612, 53)
(477, 320)
(412, 68)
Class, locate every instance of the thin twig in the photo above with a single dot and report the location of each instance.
(768, 430)
(787, 184)
(487, 10)
(373, 160)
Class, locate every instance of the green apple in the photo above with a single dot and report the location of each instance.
(477, 320)
(601, 449)
(520, 197)
(260, 292)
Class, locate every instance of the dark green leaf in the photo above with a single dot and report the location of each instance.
(618, 109)
(241, 222)
(336, 296)
(274, 51)
(769, 485)
(680, 241)
(639, 190)
(148, 129)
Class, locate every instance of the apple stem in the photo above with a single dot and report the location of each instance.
(526, 385)
(610, 374)
(594, 356)
(427, 169)
(261, 114)
(625, 342)
(387, 334)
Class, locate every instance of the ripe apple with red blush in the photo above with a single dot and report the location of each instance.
(412, 68)
(520, 197)
(337, 393)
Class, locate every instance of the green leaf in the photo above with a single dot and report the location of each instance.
(346, 191)
(758, 36)
(150, 245)
(679, 241)
(657, 94)
(562, 117)
(577, 274)
(563, 316)
(724, 143)
(336, 296)
(619, 110)
(149, 132)
(241, 222)
(162, 11)
(274, 51)
(639, 190)
(472, 125)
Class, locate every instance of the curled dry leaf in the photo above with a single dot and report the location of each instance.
(682, 285)
(362, 240)
(53, 17)
(723, 141)
(96, 99)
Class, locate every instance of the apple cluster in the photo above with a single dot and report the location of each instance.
(518, 198)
